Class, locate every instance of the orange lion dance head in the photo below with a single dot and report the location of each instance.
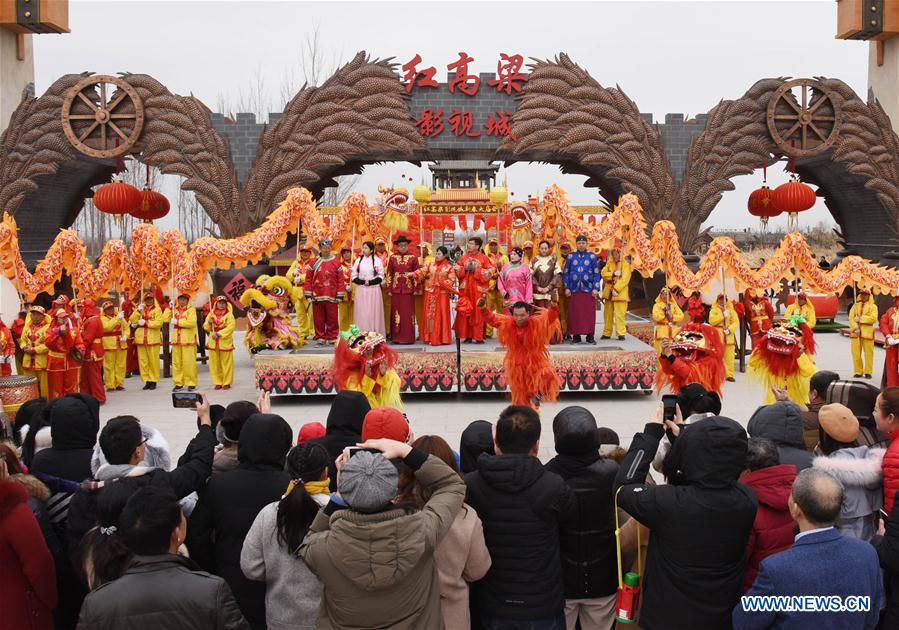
(697, 352)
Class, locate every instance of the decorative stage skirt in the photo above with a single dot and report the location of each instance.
(581, 314)
(368, 308)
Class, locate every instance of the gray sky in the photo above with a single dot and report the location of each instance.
(667, 56)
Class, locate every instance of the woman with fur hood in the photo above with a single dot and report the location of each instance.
(857, 468)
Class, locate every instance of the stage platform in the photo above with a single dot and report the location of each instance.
(610, 365)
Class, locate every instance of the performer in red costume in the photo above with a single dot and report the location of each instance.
(526, 335)
(760, 314)
(696, 308)
(401, 285)
(17, 328)
(889, 326)
(325, 288)
(92, 335)
(474, 270)
(694, 355)
(64, 342)
(7, 350)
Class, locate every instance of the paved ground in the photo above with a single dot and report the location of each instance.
(448, 414)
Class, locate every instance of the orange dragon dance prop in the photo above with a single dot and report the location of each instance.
(160, 258)
(661, 250)
(150, 258)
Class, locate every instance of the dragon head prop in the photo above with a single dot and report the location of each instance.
(786, 340)
(698, 352)
(362, 353)
(390, 206)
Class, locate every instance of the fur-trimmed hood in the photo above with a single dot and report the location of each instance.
(156, 455)
(859, 466)
(35, 486)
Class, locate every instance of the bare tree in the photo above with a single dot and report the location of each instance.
(314, 65)
(253, 98)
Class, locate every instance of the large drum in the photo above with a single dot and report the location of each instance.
(16, 391)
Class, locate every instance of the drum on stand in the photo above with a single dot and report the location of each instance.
(15, 391)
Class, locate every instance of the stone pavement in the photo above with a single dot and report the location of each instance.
(447, 414)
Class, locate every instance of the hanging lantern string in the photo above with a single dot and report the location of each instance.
(764, 173)
(147, 184)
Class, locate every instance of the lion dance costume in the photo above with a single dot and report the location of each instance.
(363, 362)
(268, 305)
(783, 359)
(696, 356)
(527, 364)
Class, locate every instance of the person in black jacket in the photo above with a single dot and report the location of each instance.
(887, 545)
(343, 427)
(477, 438)
(230, 503)
(589, 569)
(700, 522)
(122, 443)
(74, 423)
(160, 589)
(521, 506)
(781, 422)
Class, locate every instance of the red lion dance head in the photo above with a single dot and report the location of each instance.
(360, 352)
(698, 352)
(783, 344)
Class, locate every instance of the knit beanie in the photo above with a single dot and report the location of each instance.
(385, 422)
(368, 482)
(838, 422)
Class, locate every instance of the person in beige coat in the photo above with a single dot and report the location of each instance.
(376, 560)
(462, 555)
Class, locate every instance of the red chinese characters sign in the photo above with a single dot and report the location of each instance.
(432, 121)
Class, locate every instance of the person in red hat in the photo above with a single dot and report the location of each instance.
(310, 431)
(92, 336)
(474, 270)
(862, 318)
(401, 284)
(219, 327)
(34, 346)
(386, 422)
(760, 314)
(184, 344)
(147, 321)
(64, 344)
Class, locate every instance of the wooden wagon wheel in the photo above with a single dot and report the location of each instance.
(807, 126)
(99, 121)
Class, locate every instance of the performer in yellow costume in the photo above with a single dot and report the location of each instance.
(616, 275)
(345, 308)
(804, 308)
(184, 344)
(862, 319)
(667, 316)
(219, 327)
(34, 346)
(301, 306)
(723, 316)
(146, 322)
(498, 260)
(115, 345)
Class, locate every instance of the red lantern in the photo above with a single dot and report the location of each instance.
(117, 198)
(794, 196)
(761, 204)
(153, 205)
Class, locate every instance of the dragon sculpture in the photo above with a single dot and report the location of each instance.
(268, 306)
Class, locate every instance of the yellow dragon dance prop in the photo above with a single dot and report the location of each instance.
(162, 258)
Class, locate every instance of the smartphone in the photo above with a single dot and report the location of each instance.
(185, 400)
(349, 451)
(669, 406)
